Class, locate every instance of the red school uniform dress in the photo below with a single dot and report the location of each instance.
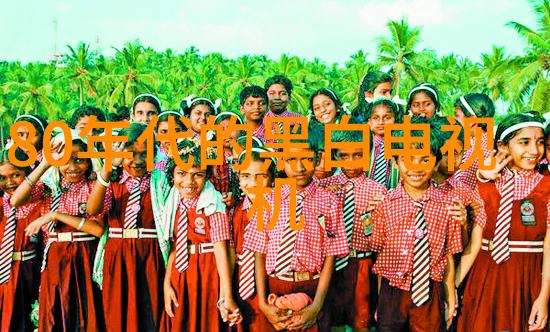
(412, 239)
(194, 274)
(133, 270)
(19, 263)
(306, 253)
(243, 277)
(69, 300)
(506, 276)
(382, 170)
(468, 176)
(354, 288)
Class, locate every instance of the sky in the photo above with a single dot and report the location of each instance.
(330, 30)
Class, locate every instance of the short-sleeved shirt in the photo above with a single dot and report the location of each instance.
(468, 176)
(218, 224)
(394, 233)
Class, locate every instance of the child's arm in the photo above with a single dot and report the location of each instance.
(539, 312)
(95, 201)
(169, 293)
(273, 314)
(469, 255)
(450, 296)
(90, 226)
(24, 190)
(222, 263)
(308, 316)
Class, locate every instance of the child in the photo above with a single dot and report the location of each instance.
(163, 151)
(545, 169)
(251, 177)
(476, 105)
(374, 85)
(423, 100)
(68, 298)
(279, 93)
(198, 264)
(253, 100)
(354, 287)
(198, 110)
(415, 239)
(20, 258)
(40, 125)
(81, 116)
(130, 264)
(144, 107)
(326, 107)
(289, 261)
(380, 112)
(509, 283)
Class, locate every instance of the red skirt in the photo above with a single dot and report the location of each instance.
(248, 308)
(197, 293)
(133, 274)
(18, 295)
(68, 299)
(499, 297)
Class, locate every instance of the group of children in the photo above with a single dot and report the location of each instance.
(411, 243)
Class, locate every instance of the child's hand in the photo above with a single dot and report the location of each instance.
(34, 227)
(169, 298)
(307, 317)
(502, 159)
(234, 315)
(374, 201)
(450, 312)
(275, 316)
(117, 148)
(56, 150)
(539, 315)
(457, 211)
(332, 188)
(477, 208)
(227, 199)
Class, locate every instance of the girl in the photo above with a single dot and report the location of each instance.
(198, 110)
(144, 107)
(473, 105)
(255, 175)
(509, 283)
(375, 84)
(20, 257)
(68, 298)
(40, 125)
(132, 262)
(326, 107)
(198, 264)
(423, 100)
(163, 151)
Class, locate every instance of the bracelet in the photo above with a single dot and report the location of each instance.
(220, 303)
(100, 179)
(82, 222)
(480, 179)
(29, 181)
(545, 275)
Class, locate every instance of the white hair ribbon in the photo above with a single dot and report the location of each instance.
(519, 126)
(146, 95)
(31, 117)
(467, 106)
(426, 88)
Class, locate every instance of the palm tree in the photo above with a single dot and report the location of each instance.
(79, 64)
(531, 82)
(398, 51)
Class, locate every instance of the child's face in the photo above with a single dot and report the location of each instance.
(416, 179)
(422, 105)
(350, 154)
(526, 148)
(232, 136)
(189, 183)
(162, 129)
(199, 116)
(75, 169)
(547, 156)
(23, 133)
(320, 171)
(299, 168)
(381, 115)
(382, 89)
(324, 109)
(137, 165)
(444, 163)
(143, 112)
(10, 178)
(254, 176)
(459, 115)
(253, 109)
(278, 98)
(82, 122)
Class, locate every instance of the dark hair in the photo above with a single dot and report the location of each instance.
(39, 123)
(330, 94)
(222, 117)
(436, 138)
(511, 120)
(165, 116)
(547, 133)
(195, 153)
(419, 88)
(122, 113)
(146, 98)
(279, 79)
(19, 155)
(85, 110)
(255, 156)
(392, 106)
(371, 81)
(201, 101)
(440, 121)
(480, 103)
(252, 91)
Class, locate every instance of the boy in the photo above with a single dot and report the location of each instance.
(415, 239)
(279, 91)
(304, 260)
(379, 113)
(354, 288)
(253, 101)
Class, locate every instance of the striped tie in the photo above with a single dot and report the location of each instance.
(6, 250)
(420, 288)
(54, 205)
(132, 207)
(349, 214)
(380, 166)
(501, 249)
(246, 275)
(288, 241)
(182, 255)
(280, 126)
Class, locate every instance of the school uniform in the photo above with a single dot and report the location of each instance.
(197, 286)
(354, 288)
(468, 176)
(323, 235)
(412, 239)
(506, 277)
(276, 127)
(382, 170)
(133, 267)
(68, 298)
(20, 262)
(259, 132)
